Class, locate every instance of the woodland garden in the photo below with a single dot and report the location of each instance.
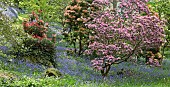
(84, 43)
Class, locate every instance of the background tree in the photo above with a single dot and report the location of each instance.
(161, 9)
(52, 9)
(76, 15)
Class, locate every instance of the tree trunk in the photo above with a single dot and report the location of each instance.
(74, 43)
(105, 71)
(80, 45)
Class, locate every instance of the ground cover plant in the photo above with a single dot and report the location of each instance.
(119, 43)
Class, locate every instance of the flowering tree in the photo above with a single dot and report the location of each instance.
(119, 33)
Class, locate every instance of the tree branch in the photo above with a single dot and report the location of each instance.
(133, 51)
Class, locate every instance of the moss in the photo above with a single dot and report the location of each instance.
(52, 72)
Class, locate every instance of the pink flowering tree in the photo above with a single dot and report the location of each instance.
(120, 33)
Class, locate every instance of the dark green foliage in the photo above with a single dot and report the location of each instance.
(41, 52)
(45, 46)
(40, 48)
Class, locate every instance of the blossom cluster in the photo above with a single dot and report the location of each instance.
(128, 8)
(101, 1)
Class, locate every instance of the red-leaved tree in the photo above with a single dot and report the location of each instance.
(41, 46)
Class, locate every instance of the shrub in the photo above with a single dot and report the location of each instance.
(40, 46)
(11, 36)
(154, 58)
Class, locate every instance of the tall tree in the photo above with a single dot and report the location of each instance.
(76, 16)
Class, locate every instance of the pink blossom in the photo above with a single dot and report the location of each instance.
(118, 33)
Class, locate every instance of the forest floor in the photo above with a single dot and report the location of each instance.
(78, 72)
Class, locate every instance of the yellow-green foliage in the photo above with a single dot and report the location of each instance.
(158, 55)
(52, 72)
(52, 9)
(7, 75)
(11, 35)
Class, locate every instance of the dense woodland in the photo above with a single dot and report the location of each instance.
(84, 43)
